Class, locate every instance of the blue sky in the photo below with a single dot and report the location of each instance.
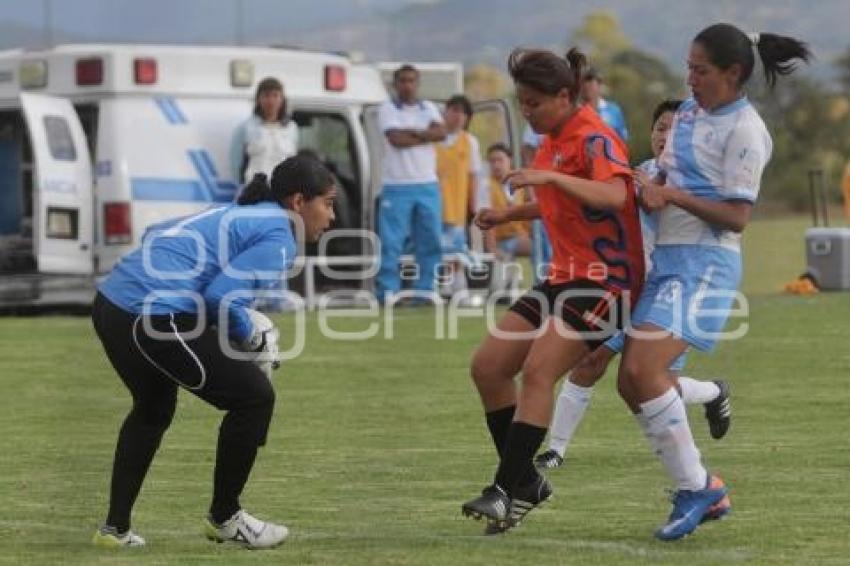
(184, 21)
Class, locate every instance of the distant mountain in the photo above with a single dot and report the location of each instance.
(485, 30)
(471, 31)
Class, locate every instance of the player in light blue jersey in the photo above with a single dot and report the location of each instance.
(608, 110)
(710, 172)
(167, 316)
(577, 388)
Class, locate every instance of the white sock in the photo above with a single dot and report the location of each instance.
(695, 391)
(666, 425)
(569, 410)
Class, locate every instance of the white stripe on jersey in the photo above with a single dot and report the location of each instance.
(717, 155)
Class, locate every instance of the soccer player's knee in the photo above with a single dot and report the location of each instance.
(586, 375)
(482, 369)
(156, 416)
(535, 376)
(265, 395)
(631, 369)
(629, 372)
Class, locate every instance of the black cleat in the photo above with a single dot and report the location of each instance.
(525, 499)
(493, 504)
(548, 460)
(719, 412)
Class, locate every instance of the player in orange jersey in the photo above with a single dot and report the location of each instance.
(586, 199)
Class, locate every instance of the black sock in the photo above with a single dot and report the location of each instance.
(517, 467)
(137, 443)
(499, 422)
(242, 433)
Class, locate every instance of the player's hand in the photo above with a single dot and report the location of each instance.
(592, 366)
(272, 348)
(519, 179)
(652, 196)
(265, 344)
(488, 218)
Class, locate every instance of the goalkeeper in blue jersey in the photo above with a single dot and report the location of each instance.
(167, 317)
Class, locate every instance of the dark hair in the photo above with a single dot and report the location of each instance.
(462, 102)
(592, 74)
(546, 72)
(669, 105)
(298, 174)
(499, 146)
(404, 69)
(727, 45)
(265, 85)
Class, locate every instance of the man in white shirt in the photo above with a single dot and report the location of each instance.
(410, 199)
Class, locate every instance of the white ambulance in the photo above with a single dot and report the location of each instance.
(97, 142)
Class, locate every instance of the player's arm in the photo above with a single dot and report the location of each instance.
(255, 268)
(730, 215)
(488, 217)
(397, 135)
(402, 138)
(435, 132)
(744, 161)
(609, 195)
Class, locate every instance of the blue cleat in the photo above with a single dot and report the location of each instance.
(691, 508)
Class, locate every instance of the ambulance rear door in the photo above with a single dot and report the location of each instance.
(62, 195)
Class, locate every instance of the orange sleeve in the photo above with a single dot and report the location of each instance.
(605, 158)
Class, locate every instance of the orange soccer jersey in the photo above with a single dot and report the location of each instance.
(600, 245)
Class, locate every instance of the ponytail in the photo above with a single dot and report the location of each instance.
(726, 45)
(578, 64)
(258, 190)
(777, 53)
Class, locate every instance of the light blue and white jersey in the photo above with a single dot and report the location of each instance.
(717, 155)
(193, 263)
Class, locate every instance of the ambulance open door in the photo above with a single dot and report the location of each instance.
(375, 142)
(63, 228)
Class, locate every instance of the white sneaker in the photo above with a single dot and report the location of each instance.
(108, 537)
(246, 530)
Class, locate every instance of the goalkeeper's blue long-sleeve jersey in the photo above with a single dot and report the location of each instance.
(211, 260)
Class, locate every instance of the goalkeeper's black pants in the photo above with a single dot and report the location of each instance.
(154, 356)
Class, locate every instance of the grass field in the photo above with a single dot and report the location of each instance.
(375, 445)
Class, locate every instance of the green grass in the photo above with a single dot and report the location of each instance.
(374, 446)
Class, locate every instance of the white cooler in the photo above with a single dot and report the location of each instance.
(828, 257)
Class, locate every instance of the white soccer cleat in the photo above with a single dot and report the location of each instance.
(247, 531)
(108, 537)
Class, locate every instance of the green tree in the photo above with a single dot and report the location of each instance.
(843, 66)
(601, 36)
(810, 127)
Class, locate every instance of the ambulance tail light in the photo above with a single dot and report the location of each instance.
(144, 70)
(335, 78)
(116, 222)
(90, 71)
